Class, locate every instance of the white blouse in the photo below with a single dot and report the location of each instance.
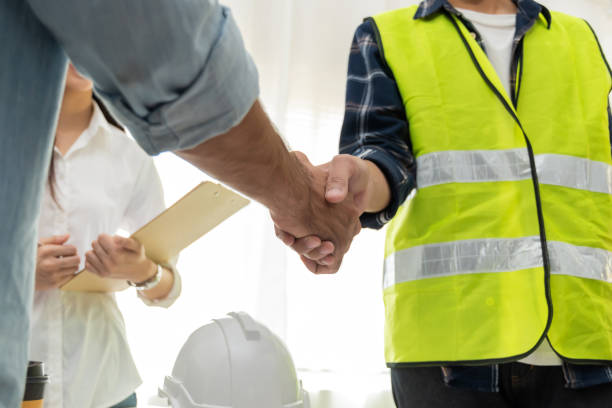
(104, 183)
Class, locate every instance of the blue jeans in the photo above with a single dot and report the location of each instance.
(31, 83)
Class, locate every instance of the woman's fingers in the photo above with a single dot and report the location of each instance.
(68, 262)
(107, 243)
(94, 264)
(54, 240)
(64, 280)
(101, 253)
(128, 243)
(57, 250)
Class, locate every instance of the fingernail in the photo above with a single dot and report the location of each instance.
(312, 243)
(334, 190)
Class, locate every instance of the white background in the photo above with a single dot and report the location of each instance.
(333, 325)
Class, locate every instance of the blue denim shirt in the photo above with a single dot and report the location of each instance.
(175, 73)
(376, 128)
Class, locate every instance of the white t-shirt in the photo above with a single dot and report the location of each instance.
(497, 31)
(103, 183)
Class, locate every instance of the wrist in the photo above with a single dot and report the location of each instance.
(379, 192)
(292, 190)
(147, 272)
(150, 282)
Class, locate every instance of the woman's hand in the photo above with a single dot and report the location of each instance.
(56, 263)
(120, 258)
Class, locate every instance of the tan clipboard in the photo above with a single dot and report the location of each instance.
(196, 213)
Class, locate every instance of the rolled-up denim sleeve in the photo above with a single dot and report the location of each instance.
(176, 73)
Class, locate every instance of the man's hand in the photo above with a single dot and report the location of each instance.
(349, 180)
(120, 258)
(252, 158)
(329, 227)
(56, 263)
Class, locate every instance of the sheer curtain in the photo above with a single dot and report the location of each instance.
(333, 325)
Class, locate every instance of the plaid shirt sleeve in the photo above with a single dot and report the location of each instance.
(375, 127)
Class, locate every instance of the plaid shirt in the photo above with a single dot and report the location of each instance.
(376, 128)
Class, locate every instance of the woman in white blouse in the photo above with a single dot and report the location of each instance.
(100, 181)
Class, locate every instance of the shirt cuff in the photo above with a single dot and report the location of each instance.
(401, 182)
(174, 293)
(216, 101)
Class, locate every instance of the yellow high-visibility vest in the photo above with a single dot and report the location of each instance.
(508, 239)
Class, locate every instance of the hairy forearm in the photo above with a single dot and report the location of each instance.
(252, 158)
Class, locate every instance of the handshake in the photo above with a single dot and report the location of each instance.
(315, 209)
(323, 216)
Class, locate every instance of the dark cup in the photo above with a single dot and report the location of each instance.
(35, 385)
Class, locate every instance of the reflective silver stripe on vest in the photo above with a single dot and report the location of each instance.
(475, 166)
(471, 166)
(574, 172)
(495, 255)
(583, 262)
(462, 257)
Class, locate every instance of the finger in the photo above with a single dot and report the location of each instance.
(101, 254)
(347, 174)
(106, 242)
(129, 244)
(324, 167)
(51, 250)
(65, 280)
(337, 186)
(92, 268)
(54, 240)
(310, 265)
(307, 244)
(61, 274)
(69, 271)
(329, 269)
(68, 262)
(328, 260)
(287, 238)
(93, 264)
(325, 249)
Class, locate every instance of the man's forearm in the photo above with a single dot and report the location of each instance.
(252, 158)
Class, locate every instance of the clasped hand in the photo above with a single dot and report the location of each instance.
(323, 232)
(119, 258)
(110, 257)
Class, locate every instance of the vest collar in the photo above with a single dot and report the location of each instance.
(528, 11)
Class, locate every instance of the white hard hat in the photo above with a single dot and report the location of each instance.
(234, 362)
